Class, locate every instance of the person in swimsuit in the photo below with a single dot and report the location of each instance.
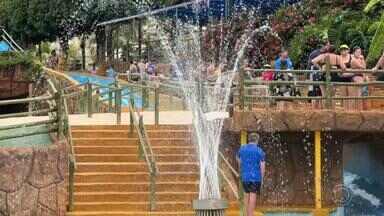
(358, 63)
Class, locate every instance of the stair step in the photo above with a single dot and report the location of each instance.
(127, 134)
(134, 166)
(137, 186)
(133, 196)
(133, 149)
(134, 158)
(135, 213)
(127, 127)
(131, 206)
(131, 141)
(111, 167)
(120, 177)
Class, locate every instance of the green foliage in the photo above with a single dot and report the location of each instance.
(372, 4)
(310, 38)
(377, 45)
(351, 28)
(33, 21)
(32, 69)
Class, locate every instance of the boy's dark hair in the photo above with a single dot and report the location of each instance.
(331, 49)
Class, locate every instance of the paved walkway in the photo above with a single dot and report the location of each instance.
(166, 118)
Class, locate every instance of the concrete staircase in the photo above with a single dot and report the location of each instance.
(111, 180)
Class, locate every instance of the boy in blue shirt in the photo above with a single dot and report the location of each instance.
(252, 165)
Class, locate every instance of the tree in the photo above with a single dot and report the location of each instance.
(377, 45)
(34, 21)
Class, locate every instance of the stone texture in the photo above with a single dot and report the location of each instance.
(33, 181)
(3, 203)
(23, 201)
(371, 122)
(349, 122)
(15, 166)
(45, 170)
(307, 120)
(48, 197)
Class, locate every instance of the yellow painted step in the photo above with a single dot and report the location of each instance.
(133, 196)
(131, 206)
(134, 166)
(127, 134)
(134, 213)
(108, 177)
(137, 186)
(133, 149)
(134, 157)
(127, 127)
(117, 141)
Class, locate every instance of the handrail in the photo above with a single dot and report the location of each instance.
(26, 100)
(233, 171)
(72, 160)
(355, 71)
(144, 145)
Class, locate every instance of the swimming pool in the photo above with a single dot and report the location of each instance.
(104, 92)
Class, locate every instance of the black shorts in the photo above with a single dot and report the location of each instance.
(252, 187)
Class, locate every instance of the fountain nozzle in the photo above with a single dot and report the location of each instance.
(210, 207)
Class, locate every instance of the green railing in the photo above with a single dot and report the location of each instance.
(247, 94)
(145, 150)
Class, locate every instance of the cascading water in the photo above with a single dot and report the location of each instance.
(208, 101)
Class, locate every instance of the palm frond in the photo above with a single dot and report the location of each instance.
(377, 44)
(371, 4)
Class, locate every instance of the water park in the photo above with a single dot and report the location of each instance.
(202, 107)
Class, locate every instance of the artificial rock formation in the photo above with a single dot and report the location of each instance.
(309, 120)
(33, 180)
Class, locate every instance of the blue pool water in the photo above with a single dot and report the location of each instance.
(104, 81)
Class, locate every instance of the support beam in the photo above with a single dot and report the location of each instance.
(318, 211)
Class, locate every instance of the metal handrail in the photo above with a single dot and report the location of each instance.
(144, 146)
(233, 171)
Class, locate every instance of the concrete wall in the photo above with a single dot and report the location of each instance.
(33, 180)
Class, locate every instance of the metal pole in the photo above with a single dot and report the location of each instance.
(118, 106)
(157, 108)
(328, 87)
(90, 102)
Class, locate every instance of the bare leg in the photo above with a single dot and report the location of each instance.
(246, 202)
(251, 204)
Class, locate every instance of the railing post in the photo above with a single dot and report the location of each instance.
(157, 102)
(89, 100)
(59, 107)
(132, 101)
(241, 89)
(118, 106)
(328, 86)
(71, 180)
(141, 150)
(110, 100)
(153, 188)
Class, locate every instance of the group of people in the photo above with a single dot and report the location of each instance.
(347, 61)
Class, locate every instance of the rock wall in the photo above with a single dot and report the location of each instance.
(33, 180)
(309, 120)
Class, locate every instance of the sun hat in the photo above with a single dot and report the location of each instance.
(344, 47)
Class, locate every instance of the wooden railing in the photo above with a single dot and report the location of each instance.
(245, 95)
(145, 150)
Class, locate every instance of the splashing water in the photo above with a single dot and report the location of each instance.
(208, 101)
